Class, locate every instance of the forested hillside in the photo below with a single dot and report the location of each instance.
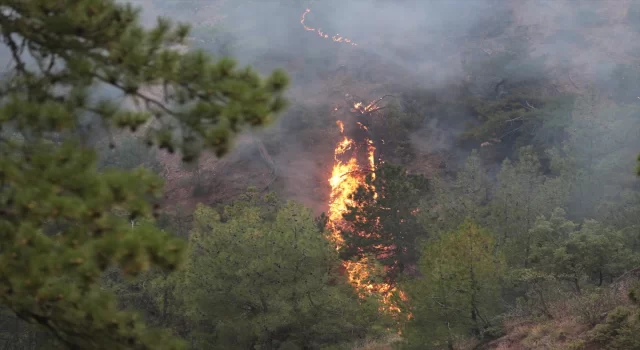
(299, 174)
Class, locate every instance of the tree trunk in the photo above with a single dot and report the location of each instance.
(576, 282)
(600, 280)
(475, 329)
(545, 308)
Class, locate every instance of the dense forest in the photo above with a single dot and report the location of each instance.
(299, 174)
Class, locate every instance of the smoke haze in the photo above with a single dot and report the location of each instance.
(405, 45)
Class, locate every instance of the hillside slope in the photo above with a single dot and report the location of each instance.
(607, 320)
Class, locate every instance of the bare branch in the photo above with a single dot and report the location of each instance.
(380, 99)
(374, 110)
(529, 105)
(572, 83)
(509, 132)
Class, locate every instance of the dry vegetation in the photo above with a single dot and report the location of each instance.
(571, 327)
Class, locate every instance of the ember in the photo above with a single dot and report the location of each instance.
(337, 38)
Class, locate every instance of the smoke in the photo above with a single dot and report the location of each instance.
(489, 45)
(484, 47)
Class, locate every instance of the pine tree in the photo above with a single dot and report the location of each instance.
(458, 292)
(383, 220)
(522, 195)
(59, 227)
(573, 253)
(466, 197)
(263, 276)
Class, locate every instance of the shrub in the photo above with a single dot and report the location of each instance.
(591, 306)
(621, 330)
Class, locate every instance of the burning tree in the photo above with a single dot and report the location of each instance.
(353, 178)
(355, 157)
(381, 219)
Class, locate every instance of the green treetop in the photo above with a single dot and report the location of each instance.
(458, 292)
(58, 227)
(262, 275)
(575, 253)
(450, 204)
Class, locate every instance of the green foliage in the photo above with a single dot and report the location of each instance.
(459, 288)
(58, 223)
(59, 236)
(555, 265)
(592, 252)
(383, 219)
(262, 275)
(592, 305)
(621, 330)
(580, 257)
(103, 43)
(522, 194)
(80, 244)
(396, 128)
(467, 196)
(536, 287)
(599, 147)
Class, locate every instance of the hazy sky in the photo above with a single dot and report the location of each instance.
(409, 42)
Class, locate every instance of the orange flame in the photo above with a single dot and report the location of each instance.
(347, 175)
(364, 109)
(337, 38)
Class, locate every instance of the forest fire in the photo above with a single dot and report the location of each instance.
(337, 38)
(354, 158)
